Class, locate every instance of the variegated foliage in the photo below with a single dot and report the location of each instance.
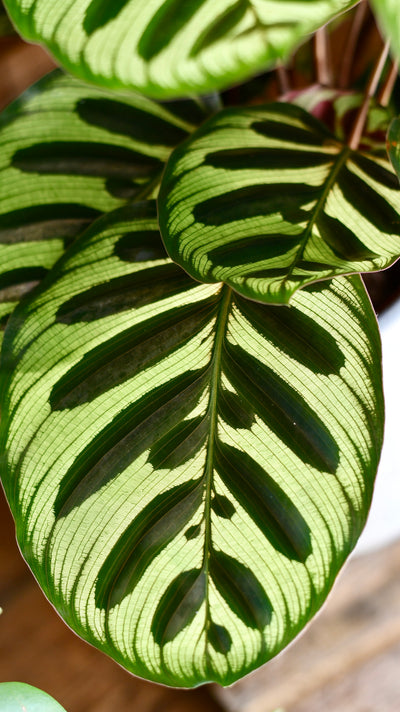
(170, 47)
(187, 469)
(68, 153)
(266, 200)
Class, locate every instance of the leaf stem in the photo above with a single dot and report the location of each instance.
(386, 91)
(283, 79)
(361, 118)
(322, 57)
(209, 103)
(351, 44)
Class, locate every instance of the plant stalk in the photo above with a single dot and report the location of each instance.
(361, 118)
(386, 91)
(351, 44)
(283, 79)
(322, 58)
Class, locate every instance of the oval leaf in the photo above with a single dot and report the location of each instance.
(169, 47)
(267, 201)
(70, 152)
(20, 697)
(187, 469)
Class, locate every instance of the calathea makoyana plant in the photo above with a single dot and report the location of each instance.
(191, 422)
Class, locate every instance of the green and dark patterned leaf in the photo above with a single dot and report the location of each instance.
(266, 200)
(188, 469)
(170, 47)
(70, 152)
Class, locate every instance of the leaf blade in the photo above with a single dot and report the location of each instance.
(170, 48)
(147, 542)
(290, 207)
(68, 154)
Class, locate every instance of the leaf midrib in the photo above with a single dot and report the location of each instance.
(221, 323)
(337, 166)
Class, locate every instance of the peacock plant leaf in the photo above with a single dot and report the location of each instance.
(266, 200)
(170, 47)
(70, 152)
(188, 469)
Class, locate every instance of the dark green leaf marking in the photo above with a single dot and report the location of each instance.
(220, 27)
(131, 121)
(157, 524)
(265, 502)
(241, 590)
(286, 412)
(100, 12)
(166, 23)
(125, 438)
(219, 638)
(179, 605)
(79, 158)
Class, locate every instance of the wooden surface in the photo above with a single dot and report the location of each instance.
(38, 648)
(347, 660)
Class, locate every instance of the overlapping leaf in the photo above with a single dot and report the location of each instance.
(388, 17)
(267, 200)
(170, 47)
(188, 469)
(68, 153)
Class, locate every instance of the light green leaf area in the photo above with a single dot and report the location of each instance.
(188, 469)
(68, 153)
(170, 47)
(20, 697)
(388, 18)
(266, 200)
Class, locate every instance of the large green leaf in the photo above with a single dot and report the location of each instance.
(266, 200)
(188, 469)
(68, 153)
(170, 47)
(20, 697)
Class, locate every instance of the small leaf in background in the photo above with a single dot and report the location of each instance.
(69, 153)
(170, 47)
(266, 200)
(337, 109)
(188, 469)
(393, 144)
(20, 697)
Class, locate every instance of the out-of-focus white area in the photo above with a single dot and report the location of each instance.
(384, 519)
